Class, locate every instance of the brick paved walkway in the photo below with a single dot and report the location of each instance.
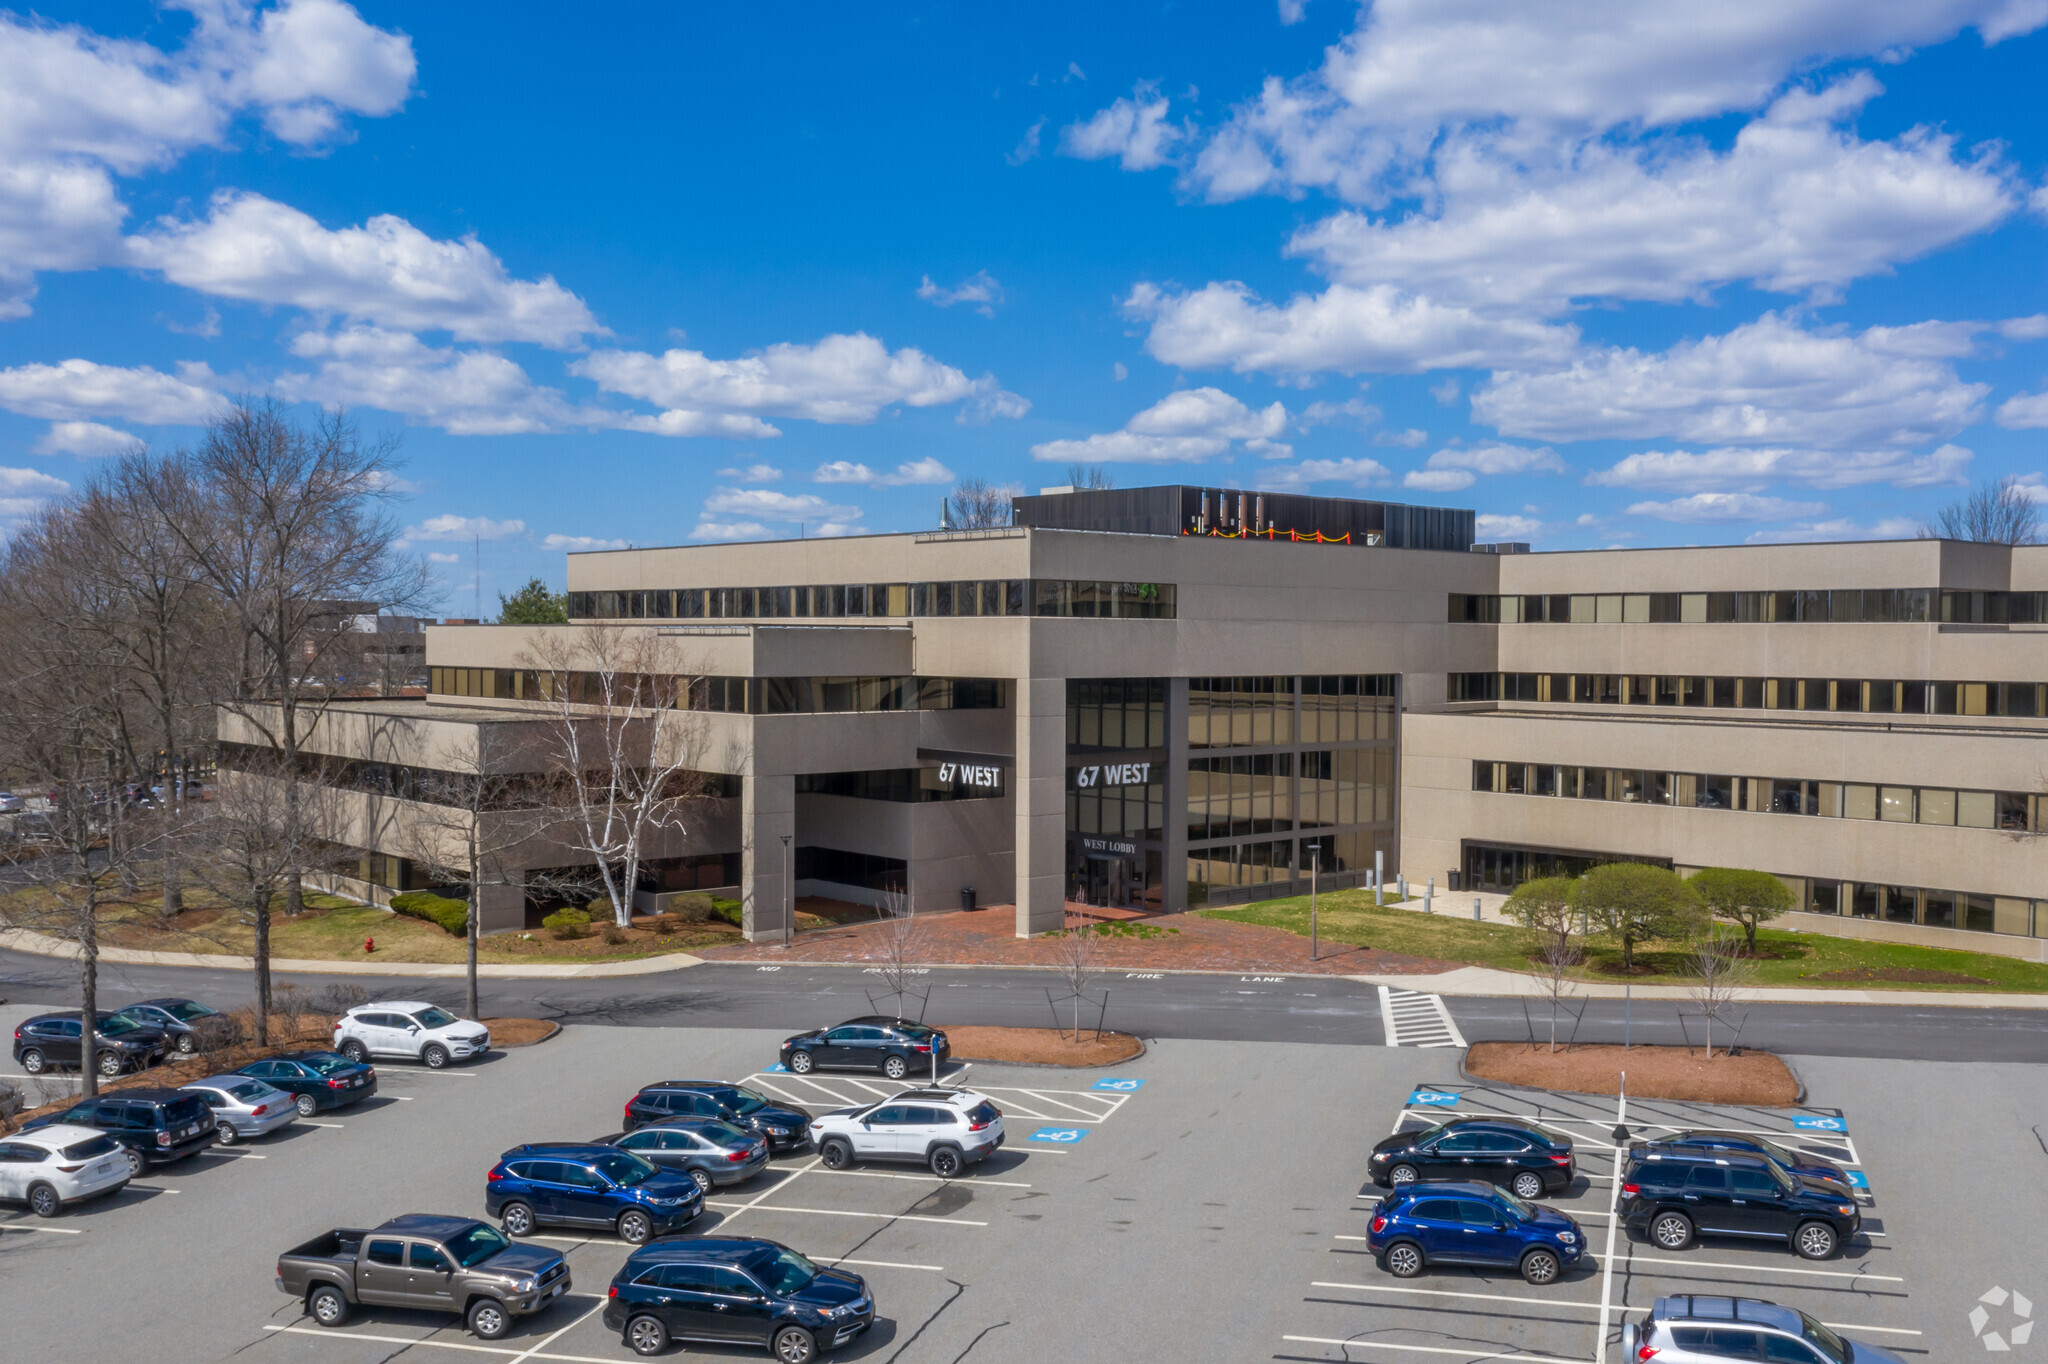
(988, 938)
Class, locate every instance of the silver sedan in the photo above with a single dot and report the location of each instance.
(243, 1107)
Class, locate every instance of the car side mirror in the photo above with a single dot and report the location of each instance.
(1500, 1226)
(413, 1027)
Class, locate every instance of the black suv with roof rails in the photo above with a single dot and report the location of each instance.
(1527, 1160)
(1802, 1163)
(152, 1125)
(1671, 1197)
(1702, 1330)
(890, 1045)
(782, 1123)
(758, 1293)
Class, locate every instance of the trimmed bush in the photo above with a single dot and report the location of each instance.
(729, 910)
(693, 908)
(614, 935)
(568, 923)
(451, 915)
(667, 925)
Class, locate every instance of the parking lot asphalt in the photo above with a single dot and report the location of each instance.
(1198, 1214)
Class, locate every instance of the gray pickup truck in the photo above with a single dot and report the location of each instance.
(449, 1264)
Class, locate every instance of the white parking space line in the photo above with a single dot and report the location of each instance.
(793, 1176)
(436, 1344)
(773, 1088)
(238, 1155)
(153, 1188)
(1762, 1268)
(1387, 1027)
(923, 1179)
(876, 1090)
(1446, 1293)
(886, 1264)
(1089, 1113)
(551, 1339)
(836, 1212)
(1472, 1353)
(1607, 1256)
(53, 1231)
(390, 1069)
(310, 1123)
(834, 1095)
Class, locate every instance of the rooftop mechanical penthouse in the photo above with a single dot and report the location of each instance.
(1163, 698)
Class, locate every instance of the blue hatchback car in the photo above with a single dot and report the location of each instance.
(583, 1185)
(1472, 1224)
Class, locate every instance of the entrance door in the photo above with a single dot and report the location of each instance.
(1113, 882)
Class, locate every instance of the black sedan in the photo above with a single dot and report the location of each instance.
(709, 1150)
(1527, 1160)
(784, 1124)
(318, 1079)
(177, 1019)
(1802, 1163)
(890, 1045)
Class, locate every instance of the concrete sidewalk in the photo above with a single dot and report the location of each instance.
(22, 940)
(1484, 980)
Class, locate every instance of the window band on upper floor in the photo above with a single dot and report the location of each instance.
(2023, 700)
(1883, 605)
(1085, 598)
(732, 695)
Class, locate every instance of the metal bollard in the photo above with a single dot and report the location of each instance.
(1475, 909)
(1401, 884)
(1429, 897)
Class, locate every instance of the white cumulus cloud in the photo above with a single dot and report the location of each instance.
(85, 439)
(579, 544)
(1357, 472)
(1726, 507)
(912, 472)
(1735, 468)
(1133, 130)
(980, 289)
(1185, 426)
(2024, 411)
(753, 473)
(765, 504)
(1458, 467)
(465, 392)
(78, 390)
(1492, 526)
(449, 526)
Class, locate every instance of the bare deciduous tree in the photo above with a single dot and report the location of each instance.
(1077, 957)
(977, 505)
(621, 746)
(1719, 975)
(1560, 958)
(2001, 513)
(901, 939)
(1092, 477)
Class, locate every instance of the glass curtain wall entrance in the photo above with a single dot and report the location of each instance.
(1116, 792)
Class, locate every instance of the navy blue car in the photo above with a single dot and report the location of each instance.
(1802, 1163)
(758, 1293)
(1471, 1224)
(580, 1184)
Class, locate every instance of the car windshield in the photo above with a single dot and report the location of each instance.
(725, 1134)
(249, 1091)
(475, 1245)
(621, 1168)
(324, 1062)
(1776, 1152)
(114, 1025)
(1525, 1211)
(92, 1146)
(1824, 1340)
(747, 1101)
(185, 1010)
(783, 1272)
(434, 1018)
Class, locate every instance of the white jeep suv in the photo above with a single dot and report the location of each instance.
(945, 1129)
(410, 1028)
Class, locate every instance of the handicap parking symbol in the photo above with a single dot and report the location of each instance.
(1821, 1124)
(1857, 1180)
(1064, 1136)
(1434, 1098)
(1118, 1086)
(777, 1069)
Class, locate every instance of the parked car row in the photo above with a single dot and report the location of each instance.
(1463, 1193)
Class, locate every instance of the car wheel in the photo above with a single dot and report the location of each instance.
(32, 1061)
(1527, 1185)
(307, 1108)
(945, 1162)
(895, 1067)
(43, 1200)
(110, 1063)
(1401, 1174)
(1672, 1230)
(800, 1062)
(634, 1228)
(646, 1336)
(224, 1132)
(703, 1178)
(835, 1154)
(517, 1219)
(435, 1056)
(795, 1345)
(355, 1051)
(327, 1306)
(134, 1162)
(1539, 1267)
(489, 1319)
(1815, 1240)
(1404, 1259)
(185, 1044)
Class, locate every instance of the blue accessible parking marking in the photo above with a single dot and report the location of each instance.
(777, 1069)
(1434, 1098)
(1064, 1136)
(1857, 1180)
(1118, 1086)
(1821, 1124)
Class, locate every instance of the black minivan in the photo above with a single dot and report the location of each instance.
(758, 1293)
(1671, 1197)
(152, 1125)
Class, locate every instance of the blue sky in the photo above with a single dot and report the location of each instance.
(1609, 273)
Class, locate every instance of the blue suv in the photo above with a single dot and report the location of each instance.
(585, 1185)
(1471, 1224)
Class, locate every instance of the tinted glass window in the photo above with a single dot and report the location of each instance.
(931, 1117)
(690, 1278)
(784, 1272)
(1707, 1177)
(68, 1027)
(891, 1115)
(1436, 1210)
(1477, 1214)
(842, 1034)
(1752, 1182)
(249, 1091)
(427, 1257)
(384, 1252)
(20, 1153)
(91, 1148)
(575, 1176)
(1500, 1141)
(1689, 1337)
(185, 1011)
(1778, 1348)
(644, 1140)
(184, 1111)
(532, 1170)
(117, 1026)
(623, 1168)
(326, 1063)
(730, 1282)
(1459, 1143)
(984, 1113)
(1733, 1344)
(724, 1134)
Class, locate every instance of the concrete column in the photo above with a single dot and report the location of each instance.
(767, 812)
(501, 908)
(1041, 796)
(1174, 832)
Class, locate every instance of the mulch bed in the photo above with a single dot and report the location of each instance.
(1753, 1078)
(519, 1032)
(1042, 1046)
(1910, 975)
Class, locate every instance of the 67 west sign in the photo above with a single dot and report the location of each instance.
(1113, 774)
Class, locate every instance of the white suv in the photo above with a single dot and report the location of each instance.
(410, 1028)
(946, 1129)
(53, 1167)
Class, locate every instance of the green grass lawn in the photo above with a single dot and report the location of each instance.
(1784, 958)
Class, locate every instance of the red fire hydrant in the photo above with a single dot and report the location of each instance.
(369, 944)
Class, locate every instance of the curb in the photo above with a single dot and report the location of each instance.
(36, 944)
(1798, 1100)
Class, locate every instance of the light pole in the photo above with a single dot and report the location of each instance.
(788, 898)
(1315, 859)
